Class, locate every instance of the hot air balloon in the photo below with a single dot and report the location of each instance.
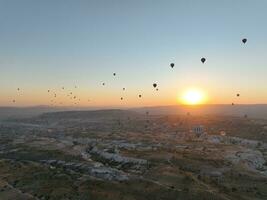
(121, 98)
(157, 89)
(114, 74)
(154, 85)
(103, 83)
(140, 95)
(48, 90)
(203, 60)
(244, 40)
(233, 104)
(14, 101)
(237, 95)
(172, 65)
(123, 88)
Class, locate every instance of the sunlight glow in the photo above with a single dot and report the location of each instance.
(193, 97)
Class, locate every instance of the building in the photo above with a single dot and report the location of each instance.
(198, 130)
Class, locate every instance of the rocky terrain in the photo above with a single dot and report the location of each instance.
(116, 154)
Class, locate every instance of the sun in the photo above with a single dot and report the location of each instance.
(193, 97)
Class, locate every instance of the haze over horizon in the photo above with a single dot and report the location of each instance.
(79, 45)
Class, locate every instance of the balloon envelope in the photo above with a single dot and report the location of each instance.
(203, 60)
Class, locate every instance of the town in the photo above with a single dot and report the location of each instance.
(80, 154)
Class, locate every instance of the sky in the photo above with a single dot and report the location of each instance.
(47, 45)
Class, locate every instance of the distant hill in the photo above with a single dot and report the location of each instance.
(41, 113)
(25, 112)
(254, 111)
(92, 114)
